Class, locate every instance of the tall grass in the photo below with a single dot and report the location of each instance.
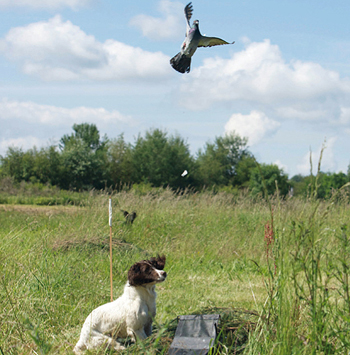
(276, 270)
(307, 278)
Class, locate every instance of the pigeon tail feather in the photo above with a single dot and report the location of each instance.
(181, 63)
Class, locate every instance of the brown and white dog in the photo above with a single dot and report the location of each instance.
(130, 315)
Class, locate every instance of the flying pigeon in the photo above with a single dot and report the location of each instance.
(182, 61)
(130, 217)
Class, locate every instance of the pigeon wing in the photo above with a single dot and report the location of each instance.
(211, 41)
(188, 14)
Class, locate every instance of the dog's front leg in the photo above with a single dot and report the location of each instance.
(138, 334)
(148, 329)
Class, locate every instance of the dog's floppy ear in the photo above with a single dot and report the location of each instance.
(158, 262)
(135, 275)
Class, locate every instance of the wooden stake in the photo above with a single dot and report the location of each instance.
(110, 247)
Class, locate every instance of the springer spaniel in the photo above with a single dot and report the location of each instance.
(130, 315)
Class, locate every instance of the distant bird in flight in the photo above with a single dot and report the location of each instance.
(182, 61)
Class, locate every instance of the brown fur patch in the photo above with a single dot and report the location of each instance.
(144, 271)
(158, 262)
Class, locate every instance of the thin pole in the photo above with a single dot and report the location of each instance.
(110, 247)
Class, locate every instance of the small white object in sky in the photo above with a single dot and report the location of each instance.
(184, 173)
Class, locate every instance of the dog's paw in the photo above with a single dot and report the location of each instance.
(77, 351)
(118, 346)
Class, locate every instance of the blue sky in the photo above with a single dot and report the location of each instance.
(284, 84)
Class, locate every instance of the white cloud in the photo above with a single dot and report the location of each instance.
(57, 116)
(281, 165)
(44, 4)
(58, 50)
(328, 161)
(303, 113)
(255, 126)
(24, 143)
(345, 115)
(167, 27)
(259, 75)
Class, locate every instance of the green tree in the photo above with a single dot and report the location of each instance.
(12, 164)
(301, 185)
(218, 163)
(88, 133)
(47, 165)
(120, 167)
(328, 182)
(243, 171)
(42, 165)
(81, 167)
(339, 179)
(160, 160)
(271, 174)
(84, 158)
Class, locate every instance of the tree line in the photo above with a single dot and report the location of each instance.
(84, 160)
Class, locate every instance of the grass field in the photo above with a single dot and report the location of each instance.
(277, 273)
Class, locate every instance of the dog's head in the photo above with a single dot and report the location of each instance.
(147, 272)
